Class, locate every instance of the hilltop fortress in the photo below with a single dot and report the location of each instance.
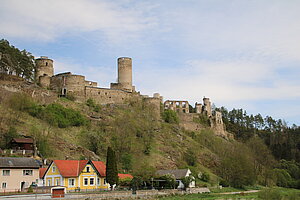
(68, 84)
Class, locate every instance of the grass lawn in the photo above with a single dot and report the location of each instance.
(266, 194)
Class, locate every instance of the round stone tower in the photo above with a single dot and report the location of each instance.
(44, 67)
(125, 73)
(43, 70)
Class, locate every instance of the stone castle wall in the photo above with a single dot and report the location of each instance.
(68, 84)
(107, 96)
(155, 102)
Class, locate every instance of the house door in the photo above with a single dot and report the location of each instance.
(22, 185)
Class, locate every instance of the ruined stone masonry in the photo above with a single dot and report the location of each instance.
(182, 107)
(68, 84)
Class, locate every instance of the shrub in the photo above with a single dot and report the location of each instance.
(283, 178)
(187, 180)
(202, 119)
(91, 103)
(170, 116)
(205, 176)
(125, 182)
(224, 183)
(30, 190)
(269, 194)
(170, 181)
(62, 117)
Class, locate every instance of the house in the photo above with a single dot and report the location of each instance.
(22, 144)
(179, 174)
(76, 174)
(17, 173)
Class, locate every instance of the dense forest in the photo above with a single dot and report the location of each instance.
(282, 140)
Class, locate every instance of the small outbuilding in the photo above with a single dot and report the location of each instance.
(58, 192)
(22, 144)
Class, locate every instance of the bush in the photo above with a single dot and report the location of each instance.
(170, 116)
(270, 194)
(283, 178)
(224, 183)
(170, 181)
(125, 182)
(205, 177)
(30, 190)
(56, 114)
(91, 103)
(187, 180)
(202, 119)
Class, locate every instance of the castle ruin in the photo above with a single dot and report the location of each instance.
(68, 84)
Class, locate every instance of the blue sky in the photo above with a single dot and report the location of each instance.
(241, 54)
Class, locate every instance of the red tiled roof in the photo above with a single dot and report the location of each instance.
(23, 140)
(122, 176)
(100, 166)
(42, 172)
(70, 168)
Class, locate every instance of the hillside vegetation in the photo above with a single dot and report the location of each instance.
(264, 151)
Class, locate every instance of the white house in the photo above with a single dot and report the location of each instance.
(179, 174)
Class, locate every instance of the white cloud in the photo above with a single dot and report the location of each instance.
(227, 81)
(47, 20)
(260, 28)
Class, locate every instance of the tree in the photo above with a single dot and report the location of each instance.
(187, 180)
(111, 168)
(12, 60)
(170, 116)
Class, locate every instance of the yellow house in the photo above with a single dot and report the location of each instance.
(76, 174)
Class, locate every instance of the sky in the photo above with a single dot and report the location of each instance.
(239, 53)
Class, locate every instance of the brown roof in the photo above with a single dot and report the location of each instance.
(178, 173)
(12, 162)
(23, 140)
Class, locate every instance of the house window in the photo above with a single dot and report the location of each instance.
(85, 181)
(98, 181)
(57, 182)
(104, 181)
(71, 182)
(6, 172)
(4, 185)
(87, 169)
(92, 181)
(49, 182)
(27, 172)
(53, 169)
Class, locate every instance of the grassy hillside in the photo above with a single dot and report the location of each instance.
(65, 129)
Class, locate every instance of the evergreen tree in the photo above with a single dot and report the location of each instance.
(111, 168)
